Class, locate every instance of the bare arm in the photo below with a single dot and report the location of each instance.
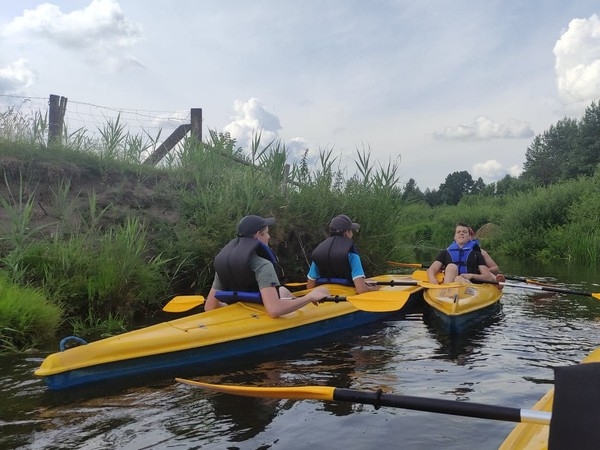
(211, 301)
(362, 286)
(276, 306)
(484, 275)
(490, 263)
(433, 269)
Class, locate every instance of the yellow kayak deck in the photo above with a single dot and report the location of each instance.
(527, 436)
(205, 335)
(457, 300)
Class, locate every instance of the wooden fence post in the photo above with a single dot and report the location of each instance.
(196, 122)
(56, 117)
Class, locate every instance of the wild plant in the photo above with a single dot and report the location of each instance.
(27, 318)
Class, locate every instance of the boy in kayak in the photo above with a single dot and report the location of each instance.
(336, 259)
(462, 261)
(245, 269)
(486, 256)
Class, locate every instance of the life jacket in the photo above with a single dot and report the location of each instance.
(331, 258)
(232, 264)
(461, 255)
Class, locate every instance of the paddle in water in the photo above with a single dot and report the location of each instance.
(573, 421)
(378, 398)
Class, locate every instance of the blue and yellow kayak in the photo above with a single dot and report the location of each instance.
(211, 336)
(459, 306)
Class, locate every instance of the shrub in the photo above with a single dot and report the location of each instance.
(27, 318)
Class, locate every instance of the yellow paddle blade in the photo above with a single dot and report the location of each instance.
(380, 301)
(596, 295)
(183, 303)
(295, 393)
(421, 275)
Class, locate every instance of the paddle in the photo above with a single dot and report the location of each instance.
(376, 301)
(536, 287)
(379, 398)
(183, 303)
(425, 266)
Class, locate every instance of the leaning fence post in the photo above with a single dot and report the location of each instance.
(56, 117)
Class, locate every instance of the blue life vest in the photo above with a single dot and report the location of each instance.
(331, 258)
(232, 264)
(461, 255)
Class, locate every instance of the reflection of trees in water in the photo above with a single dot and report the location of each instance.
(553, 305)
(342, 360)
(460, 347)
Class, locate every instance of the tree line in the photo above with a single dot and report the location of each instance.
(567, 150)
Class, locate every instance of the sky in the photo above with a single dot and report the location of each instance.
(433, 86)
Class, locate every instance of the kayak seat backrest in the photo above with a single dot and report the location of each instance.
(230, 297)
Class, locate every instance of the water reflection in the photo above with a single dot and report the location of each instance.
(461, 348)
(508, 361)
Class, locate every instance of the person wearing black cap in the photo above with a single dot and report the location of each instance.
(336, 259)
(246, 269)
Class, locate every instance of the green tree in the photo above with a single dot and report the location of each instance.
(411, 192)
(455, 186)
(586, 154)
(552, 153)
(433, 197)
(478, 186)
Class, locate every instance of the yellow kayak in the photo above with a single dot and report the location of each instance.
(527, 436)
(212, 336)
(459, 306)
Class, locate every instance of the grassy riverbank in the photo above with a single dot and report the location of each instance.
(104, 240)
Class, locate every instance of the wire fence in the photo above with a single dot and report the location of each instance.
(92, 118)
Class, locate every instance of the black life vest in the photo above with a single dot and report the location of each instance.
(232, 264)
(461, 255)
(331, 258)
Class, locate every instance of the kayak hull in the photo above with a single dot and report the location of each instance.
(190, 342)
(526, 436)
(458, 307)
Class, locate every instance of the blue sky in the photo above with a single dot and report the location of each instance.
(438, 86)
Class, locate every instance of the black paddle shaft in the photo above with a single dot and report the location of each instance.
(453, 407)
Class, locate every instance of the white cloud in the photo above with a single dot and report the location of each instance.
(484, 128)
(577, 63)
(250, 119)
(16, 76)
(515, 171)
(296, 147)
(100, 29)
(491, 170)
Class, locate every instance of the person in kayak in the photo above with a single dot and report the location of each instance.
(245, 269)
(488, 259)
(336, 259)
(462, 261)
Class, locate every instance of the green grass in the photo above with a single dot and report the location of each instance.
(105, 262)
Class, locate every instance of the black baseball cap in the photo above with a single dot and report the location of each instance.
(342, 223)
(249, 225)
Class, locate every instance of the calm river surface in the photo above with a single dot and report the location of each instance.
(507, 362)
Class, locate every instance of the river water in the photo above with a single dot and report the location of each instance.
(507, 361)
